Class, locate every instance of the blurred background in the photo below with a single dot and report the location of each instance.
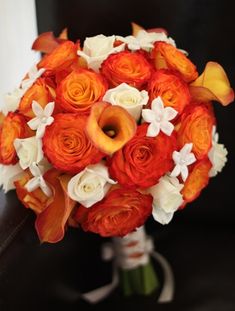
(200, 241)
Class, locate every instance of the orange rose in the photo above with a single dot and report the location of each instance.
(173, 91)
(196, 127)
(66, 145)
(128, 67)
(197, 180)
(60, 58)
(119, 213)
(35, 200)
(143, 160)
(80, 90)
(13, 126)
(166, 55)
(41, 92)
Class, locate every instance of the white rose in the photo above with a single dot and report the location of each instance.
(90, 185)
(217, 154)
(96, 49)
(166, 198)
(8, 175)
(127, 97)
(29, 150)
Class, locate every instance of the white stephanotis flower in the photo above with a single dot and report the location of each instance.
(127, 97)
(166, 198)
(42, 119)
(8, 175)
(182, 159)
(37, 181)
(145, 40)
(33, 74)
(29, 150)
(90, 185)
(217, 154)
(158, 117)
(96, 49)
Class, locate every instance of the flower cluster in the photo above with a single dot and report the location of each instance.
(106, 134)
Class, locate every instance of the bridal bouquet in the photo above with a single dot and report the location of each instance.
(105, 134)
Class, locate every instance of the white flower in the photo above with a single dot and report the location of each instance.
(217, 155)
(159, 118)
(29, 150)
(12, 100)
(127, 97)
(90, 185)
(96, 49)
(166, 198)
(42, 119)
(37, 181)
(145, 40)
(33, 74)
(8, 175)
(182, 159)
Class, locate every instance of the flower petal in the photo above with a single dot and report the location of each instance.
(184, 172)
(148, 115)
(170, 113)
(161, 216)
(50, 224)
(37, 109)
(41, 130)
(48, 110)
(212, 84)
(157, 105)
(190, 158)
(34, 123)
(176, 171)
(167, 128)
(153, 129)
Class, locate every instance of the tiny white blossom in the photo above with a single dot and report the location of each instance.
(158, 117)
(182, 159)
(145, 40)
(37, 181)
(33, 74)
(12, 99)
(42, 119)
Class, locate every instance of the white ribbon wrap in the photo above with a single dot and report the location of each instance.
(130, 252)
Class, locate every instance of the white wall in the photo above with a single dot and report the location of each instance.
(18, 29)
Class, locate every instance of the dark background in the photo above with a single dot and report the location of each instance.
(199, 242)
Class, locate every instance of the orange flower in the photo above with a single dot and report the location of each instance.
(80, 90)
(66, 145)
(51, 222)
(143, 160)
(109, 127)
(196, 127)
(173, 91)
(128, 67)
(60, 58)
(13, 126)
(119, 213)
(35, 200)
(46, 41)
(197, 180)
(213, 84)
(166, 55)
(41, 92)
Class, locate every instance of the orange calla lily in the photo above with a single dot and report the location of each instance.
(50, 224)
(46, 42)
(136, 28)
(110, 127)
(212, 84)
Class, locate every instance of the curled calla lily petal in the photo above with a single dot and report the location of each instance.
(212, 84)
(110, 127)
(50, 224)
